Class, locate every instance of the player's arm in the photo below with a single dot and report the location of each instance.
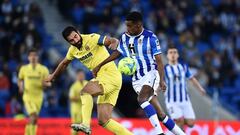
(45, 74)
(116, 54)
(21, 80)
(160, 69)
(110, 42)
(156, 52)
(60, 68)
(198, 85)
(20, 85)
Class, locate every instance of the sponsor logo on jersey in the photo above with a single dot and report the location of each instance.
(86, 56)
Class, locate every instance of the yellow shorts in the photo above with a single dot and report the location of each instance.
(111, 81)
(32, 106)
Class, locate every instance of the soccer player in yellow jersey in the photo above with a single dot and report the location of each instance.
(81, 105)
(31, 83)
(90, 50)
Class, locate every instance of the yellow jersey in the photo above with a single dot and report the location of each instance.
(75, 90)
(33, 78)
(92, 52)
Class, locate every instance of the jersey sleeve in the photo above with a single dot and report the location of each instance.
(72, 91)
(21, 73)
(155, 46)
(69, 55)
(45, 72)
(99, 39)
(120, 46)
(188, 74)
(121, 49)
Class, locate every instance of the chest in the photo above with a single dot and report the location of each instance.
(137, 46)
(33, 74)
(85, 52)
(175, 73)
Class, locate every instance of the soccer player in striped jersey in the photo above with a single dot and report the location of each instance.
(177, 99)
(143, 46)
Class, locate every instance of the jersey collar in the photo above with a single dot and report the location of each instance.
(136, 35)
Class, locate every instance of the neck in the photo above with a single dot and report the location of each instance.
(140, 31)
(172, 62)
(34, 64)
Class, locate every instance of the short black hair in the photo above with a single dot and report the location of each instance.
(134, 16)
(171, 47)
(67, 31)
(32, 50)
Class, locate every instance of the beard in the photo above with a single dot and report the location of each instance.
(78, 44)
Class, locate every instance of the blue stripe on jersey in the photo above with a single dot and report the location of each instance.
(167, 77)
(137, 57)
(100, 40)
(174, 85)
(122, 49)
(144, 48)
(186, 94)
(180, 74)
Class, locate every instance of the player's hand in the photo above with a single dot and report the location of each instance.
(47, 84)
(163, 86)
(95, 71)
(49, 79)
(203, 92)
(20, 89)
(113, 46)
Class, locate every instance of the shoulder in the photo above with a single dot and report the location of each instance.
(148, 33)
(43, 67)
(122, 35)
(24, 67)
(165, 66)
(71, 48)
(75, 84)
(183, 64)
(89, 36)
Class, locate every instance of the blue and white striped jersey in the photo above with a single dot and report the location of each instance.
(142, 48)
(176, 79)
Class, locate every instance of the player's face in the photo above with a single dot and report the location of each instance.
(80, 76)
(75, 39)
(172, 55)
(133, 28)
(33, 57)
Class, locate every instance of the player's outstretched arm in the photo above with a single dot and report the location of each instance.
(113, 56)
(160, 71)
(60, 68)
(198, 85)
(111, 42)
